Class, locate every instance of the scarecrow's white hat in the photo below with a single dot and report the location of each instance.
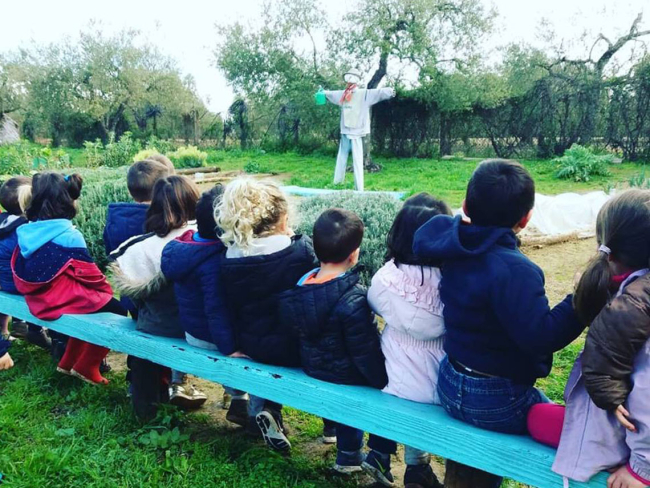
(352, 76)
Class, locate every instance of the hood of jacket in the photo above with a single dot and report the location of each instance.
(9, 223)
(34, 235)
(123, 221)
(445, 237)
(310, 307)
(184, 254)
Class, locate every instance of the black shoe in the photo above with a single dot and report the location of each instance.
(238, 412)
(19, 328)
(58, 350)
(329, 432)
(38, 336)
(421, 476)
(272, 430)
(378, 466)
(104, 367)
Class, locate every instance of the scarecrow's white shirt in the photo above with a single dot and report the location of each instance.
(355, 114)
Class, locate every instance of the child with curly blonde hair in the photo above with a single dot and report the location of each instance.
(263, 259)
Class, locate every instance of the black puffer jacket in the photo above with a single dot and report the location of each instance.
(252, 285)
(339, 342)
(615, 337)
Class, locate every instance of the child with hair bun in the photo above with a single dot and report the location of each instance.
(263, 259)
(52, 267)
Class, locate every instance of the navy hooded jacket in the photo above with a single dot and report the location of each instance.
(252, 287)
(339, 342)
(496, 312)
(8, 242)
(123, 221)
(193, 266)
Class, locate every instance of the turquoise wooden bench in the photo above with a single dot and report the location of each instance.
(423, 426)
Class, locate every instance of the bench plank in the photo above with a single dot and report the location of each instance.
(422, 426)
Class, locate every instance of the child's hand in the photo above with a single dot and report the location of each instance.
(622, 478)
(238, 354)
(623, 416)
(6, 362)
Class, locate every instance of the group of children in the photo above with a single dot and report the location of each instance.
(467, 322)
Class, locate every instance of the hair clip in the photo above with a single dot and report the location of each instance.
(66, 177)
(604, 249)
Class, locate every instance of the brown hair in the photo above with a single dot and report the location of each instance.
(337, 234)
(173, 204)
(142, 177)
(161, 158)
(623, 232)
(53, 196)
(15, 194)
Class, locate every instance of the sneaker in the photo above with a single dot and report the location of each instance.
(378, 466)
(18, 328)
(421, 476)
(186, 397)
(348, 463)
(105, 367)
(238, 412)
(39, 337)
(329, 433)
(272, 430)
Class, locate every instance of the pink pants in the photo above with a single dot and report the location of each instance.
(545, 422)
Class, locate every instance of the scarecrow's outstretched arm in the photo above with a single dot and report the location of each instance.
(334, 96)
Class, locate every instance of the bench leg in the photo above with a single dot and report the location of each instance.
(460, 476)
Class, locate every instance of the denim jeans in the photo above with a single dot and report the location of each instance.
(496, 404)
(349, 442)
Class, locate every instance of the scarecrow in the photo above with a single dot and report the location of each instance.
(355, 103)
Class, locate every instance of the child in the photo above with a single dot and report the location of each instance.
(52, 267)
(126, 220)
(263, 259)
(614, 368)
(192, 263)
(500, 331)
(14, 198)
(339, 341)
(405, 293)
(138, 275)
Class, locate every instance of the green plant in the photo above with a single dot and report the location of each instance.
(252, 167)
(639, 180)
(120, 153)
(15, 159)
(145, 154)
(188, 157)
(580, 164)
(162, 146)
(377, 213)
(93, 152)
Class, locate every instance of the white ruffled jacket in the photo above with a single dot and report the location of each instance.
(407, 298)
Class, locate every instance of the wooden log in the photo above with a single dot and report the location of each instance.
(191, 171)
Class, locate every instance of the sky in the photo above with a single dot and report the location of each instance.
(186, 30)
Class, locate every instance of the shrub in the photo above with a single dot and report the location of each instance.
(253, 167)
(581, 164)
(21, 157)
(188, 157)
(145, 154)
(377, 213)
(114, 153)
(161, 146)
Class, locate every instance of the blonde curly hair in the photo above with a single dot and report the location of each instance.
(249, 209)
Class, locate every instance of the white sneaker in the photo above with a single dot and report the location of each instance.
(187, 398)
(272, 431)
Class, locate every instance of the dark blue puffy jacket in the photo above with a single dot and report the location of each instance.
(339, 342)
(123, 221)
(8, 242)
(4, 346)
(497, 316)
(193, 266)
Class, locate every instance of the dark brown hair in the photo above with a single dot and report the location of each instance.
(142, 177)
(173, 204)
(416, 212)
(53, 196)
(205, 212)
(161, 158)
(623, 227)
(499, 194)
(337, 234)
(15, 194)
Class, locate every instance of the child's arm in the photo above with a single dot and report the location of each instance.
(217, 313)
(615, 337)
(362, 340)
(520, 303)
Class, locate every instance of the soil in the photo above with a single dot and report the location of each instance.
(560, 263)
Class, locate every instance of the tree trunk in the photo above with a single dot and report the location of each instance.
(445, 134)
(460, 476)
(368, 164)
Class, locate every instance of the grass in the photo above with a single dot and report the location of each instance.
(56, 431)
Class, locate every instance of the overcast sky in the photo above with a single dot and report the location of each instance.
(185, 30)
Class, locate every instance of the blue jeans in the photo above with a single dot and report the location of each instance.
(496, 404)
(349, 442)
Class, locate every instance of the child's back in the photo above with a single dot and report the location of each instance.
(14, 196)
(501, 333)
